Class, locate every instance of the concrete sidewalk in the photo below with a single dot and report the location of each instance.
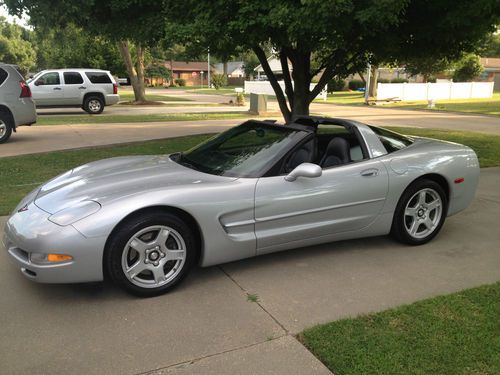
(208, 326)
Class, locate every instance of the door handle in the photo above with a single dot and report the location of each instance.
(82, 87)
(370, 172)
(57, 88)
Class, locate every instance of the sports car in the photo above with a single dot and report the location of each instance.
(257, 188)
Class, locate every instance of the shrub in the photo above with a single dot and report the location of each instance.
(240, 99)
(399, 80)
(180, 82)
(356, 84)
(218, 80)
(468, 68)
(382, 80)
(335, 84)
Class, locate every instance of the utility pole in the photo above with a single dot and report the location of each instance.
(367, 86)
(208, 74)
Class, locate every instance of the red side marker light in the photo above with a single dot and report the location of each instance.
(459, 180)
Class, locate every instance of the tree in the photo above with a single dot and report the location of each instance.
(72, 47)
(335, 37)
(468, 68)
(133, 25)
(15, 47)
(427, 66)
(492, 46)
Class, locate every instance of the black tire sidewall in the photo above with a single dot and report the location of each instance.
(6, 119)
(398, 230)
(87, 101)
(120, 237)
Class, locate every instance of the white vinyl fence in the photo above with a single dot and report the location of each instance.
(264, 87)
(433, 91)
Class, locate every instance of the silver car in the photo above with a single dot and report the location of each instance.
(16, 106)
(90, 89)
(255, 189)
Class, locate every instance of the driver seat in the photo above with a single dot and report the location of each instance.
(305, 154)
(337, 153)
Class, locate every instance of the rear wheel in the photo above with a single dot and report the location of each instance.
(5, 127)
(151, 254)
(93, 105)
(420, 213)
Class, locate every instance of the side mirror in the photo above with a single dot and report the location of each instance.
(38, 83)
(304, 170)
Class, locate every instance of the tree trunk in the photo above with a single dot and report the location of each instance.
(301, 73)
(136, 81)
(372, 87)
(360, 74)
(224, 68)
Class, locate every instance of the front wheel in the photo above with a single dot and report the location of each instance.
(420, 213)
(149, 255)
(5, 127)
(93, 105)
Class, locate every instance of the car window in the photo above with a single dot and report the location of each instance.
(98, 77)
(326, 133)
(3, 76)
(72, 78)
(390, 140)
(48, 79)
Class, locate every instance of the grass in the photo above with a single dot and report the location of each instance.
(489, 106)
(21, 174)
(158, 117)
(129, 96)
(457, 334)
(252, 297)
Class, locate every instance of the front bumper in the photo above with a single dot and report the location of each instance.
(31, 232)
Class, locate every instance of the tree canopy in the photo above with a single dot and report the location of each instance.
(15, 47)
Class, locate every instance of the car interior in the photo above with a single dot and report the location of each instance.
(332, 145)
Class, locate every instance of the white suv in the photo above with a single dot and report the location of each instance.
(90, 89)
(16, 106)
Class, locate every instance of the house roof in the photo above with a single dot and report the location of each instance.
(231, 66)
(187, 66)
(491, 64)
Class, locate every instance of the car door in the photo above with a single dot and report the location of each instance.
(344, 198)
(47, 89)
(74, 88)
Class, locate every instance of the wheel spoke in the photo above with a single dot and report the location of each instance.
(411, 211)
(139, 246)
(158, 274)
(433, 205)
(428, 224)
(136, 268)
(414, 227)
(175, 254)
(421, 197)
(162, 237)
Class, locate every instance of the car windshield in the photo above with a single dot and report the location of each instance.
(244, 151)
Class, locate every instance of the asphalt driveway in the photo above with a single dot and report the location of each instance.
(208, 326)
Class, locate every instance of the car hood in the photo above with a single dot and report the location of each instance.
(111, 178)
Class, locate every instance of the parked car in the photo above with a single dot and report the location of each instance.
(90, 89)
(16, 106)
(254, 189)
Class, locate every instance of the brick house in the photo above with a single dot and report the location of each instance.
(189, 71)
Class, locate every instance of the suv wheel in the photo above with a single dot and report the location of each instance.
(93, 105)
(5, 127)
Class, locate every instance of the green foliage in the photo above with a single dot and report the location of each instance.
(356, 84)
(72, 47)
(240, 99)
(335, 84)
(398, 80)
(468, 68)
(250, 62)
(157, 71)
(426, 66)
(180, 82)
(382, 80)
(218, 80)
(15, 47)
(492, 46)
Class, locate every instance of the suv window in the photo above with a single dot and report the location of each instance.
(48, 79)
(392, 141)
(3, 76)
(98, 77)
(72, 78)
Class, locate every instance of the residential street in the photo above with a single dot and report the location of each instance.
(208, 326)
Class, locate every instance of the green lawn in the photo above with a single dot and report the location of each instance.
(21, 174)
(109, 119)
(129, 96)
(457, 334)
(490, 106)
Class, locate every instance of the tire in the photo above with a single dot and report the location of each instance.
(420, 213)
(5, 127)
(150, 254)
(93, 104)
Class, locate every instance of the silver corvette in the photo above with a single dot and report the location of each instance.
(257, 188)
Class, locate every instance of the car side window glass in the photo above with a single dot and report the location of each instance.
(3, 76)
(72, 78)
(392, 141)
(98, 77)
(48, 79)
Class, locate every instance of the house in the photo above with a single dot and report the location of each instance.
(275, 65)
(491, 70)
(235, 72)
(193, 72)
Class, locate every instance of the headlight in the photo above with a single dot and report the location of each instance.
(75, 213)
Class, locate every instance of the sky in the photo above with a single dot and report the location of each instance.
(12, 19)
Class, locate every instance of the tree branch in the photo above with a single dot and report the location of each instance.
(286, 77)
(280, 96)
